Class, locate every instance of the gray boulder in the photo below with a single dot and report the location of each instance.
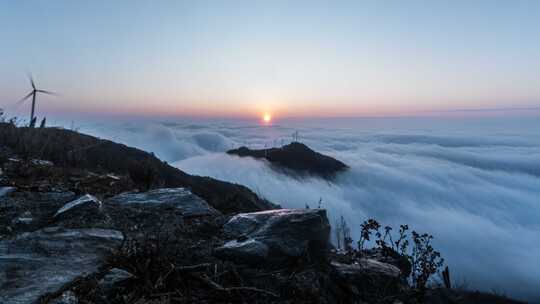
(391, 257)
(276, 235)
(40, 262)
(369, 275)
(86, 200)
(188, 203)
(249, 251)
(367, 266)
(114, 276)
(86, 211)
(4, 191)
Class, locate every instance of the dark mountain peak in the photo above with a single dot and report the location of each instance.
(297, 146)
(296, 158)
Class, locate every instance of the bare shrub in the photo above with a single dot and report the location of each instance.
(366, 229)
(424, 259)
(343, 235)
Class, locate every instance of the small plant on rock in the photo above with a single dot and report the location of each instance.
(343, 235)
(402, 243)
(367, 228)
(425, 260)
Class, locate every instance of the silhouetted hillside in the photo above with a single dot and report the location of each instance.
(296, 157)
(72, 149)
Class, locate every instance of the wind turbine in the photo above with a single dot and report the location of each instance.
(33, 93)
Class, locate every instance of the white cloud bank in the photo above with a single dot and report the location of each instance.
(474, 185)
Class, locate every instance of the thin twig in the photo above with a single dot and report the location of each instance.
(252, 289)
(193, 267)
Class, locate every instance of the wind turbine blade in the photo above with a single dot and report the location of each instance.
(25, 97)
(47, 92)
(32, 81)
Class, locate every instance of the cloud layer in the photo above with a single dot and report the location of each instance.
(473, 184)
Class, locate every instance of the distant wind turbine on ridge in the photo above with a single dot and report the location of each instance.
(33, 93)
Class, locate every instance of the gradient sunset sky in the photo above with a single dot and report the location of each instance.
(288, 58)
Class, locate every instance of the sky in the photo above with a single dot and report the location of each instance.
(473, 183)
(287, 58)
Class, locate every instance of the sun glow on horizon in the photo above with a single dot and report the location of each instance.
(267, 118)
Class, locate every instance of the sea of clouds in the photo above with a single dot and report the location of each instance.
(474, 184)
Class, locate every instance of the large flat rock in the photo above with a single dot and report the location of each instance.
(83, 212)
(372, 267)
(369, 275)
(276, 234)
(39, 262)
(188, 203)
(85, 200)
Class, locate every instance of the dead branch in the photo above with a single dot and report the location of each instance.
(251, 289)
(190, 268)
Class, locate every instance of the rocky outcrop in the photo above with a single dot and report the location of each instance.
(276, 235)
(40, 262)
(295, 159)
(182, 199)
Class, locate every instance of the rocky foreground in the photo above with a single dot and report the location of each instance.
(98, 231)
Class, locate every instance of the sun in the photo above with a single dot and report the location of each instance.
(267, 117)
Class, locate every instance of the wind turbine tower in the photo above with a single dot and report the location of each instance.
(33, 93)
